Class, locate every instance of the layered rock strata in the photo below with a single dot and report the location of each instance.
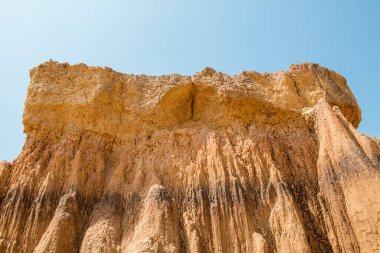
(254, 162)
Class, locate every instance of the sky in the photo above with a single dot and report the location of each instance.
(184, 36)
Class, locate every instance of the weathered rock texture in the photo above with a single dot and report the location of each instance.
(204, 163)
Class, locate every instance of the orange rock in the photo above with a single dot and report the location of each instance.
(205, 163)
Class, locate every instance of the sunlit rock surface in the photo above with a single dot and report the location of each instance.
(254, 162)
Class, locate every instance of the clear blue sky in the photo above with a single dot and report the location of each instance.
(183, 36)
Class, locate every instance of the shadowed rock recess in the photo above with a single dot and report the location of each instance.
(254, 162)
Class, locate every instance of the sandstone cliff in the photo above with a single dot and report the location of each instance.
(204, 163)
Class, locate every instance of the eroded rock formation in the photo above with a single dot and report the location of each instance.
(255, 162)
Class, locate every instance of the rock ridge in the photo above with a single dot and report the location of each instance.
(63, 99)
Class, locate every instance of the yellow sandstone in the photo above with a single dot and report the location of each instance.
(121, 163)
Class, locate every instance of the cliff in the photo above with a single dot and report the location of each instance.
(254, 162)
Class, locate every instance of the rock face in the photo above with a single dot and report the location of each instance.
(205, 163)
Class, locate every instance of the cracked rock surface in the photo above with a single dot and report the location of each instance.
(254, 162)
